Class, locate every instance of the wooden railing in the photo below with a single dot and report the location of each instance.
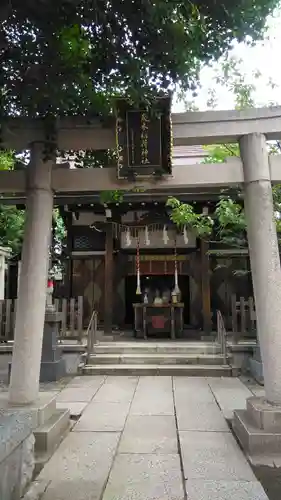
(91, 334)
(72, 317)
(243, 317)
(7, 319)
(71, 325)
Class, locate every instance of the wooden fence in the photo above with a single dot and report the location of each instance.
(243, 317)
(71, 324)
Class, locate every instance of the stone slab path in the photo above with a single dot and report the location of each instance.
(150, 438)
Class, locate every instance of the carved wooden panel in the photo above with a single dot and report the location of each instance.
(88, 281)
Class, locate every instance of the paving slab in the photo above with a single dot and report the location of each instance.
(231, 394)
(258, 391)
(106, 417)
(73, 489)
(153, 404)
(253, 386)
(145, 477)
(213, 456)
(117, 390)
(153, 396)
(165, 382)
(201, 417)
(151, 383)
(80, 466)
(75, 408)
(225, 490)
(89, 381)
(77, 394)
(192, 390)
(149, 434)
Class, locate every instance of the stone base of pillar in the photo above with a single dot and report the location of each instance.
(51, 371)
(258, 429)
(52, 364)
(47, 424)
(256, 367)
(256, 370)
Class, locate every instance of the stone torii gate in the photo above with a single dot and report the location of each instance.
(256, 171)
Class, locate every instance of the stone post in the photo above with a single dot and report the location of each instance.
(24, 383)
(52, 362)
(264, 257)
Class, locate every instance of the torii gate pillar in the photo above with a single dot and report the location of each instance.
(24, 383)
(264, 257)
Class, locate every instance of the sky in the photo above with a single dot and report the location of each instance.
(265, 57)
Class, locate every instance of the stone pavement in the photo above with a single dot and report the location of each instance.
(150, 438)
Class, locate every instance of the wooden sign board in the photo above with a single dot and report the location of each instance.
(144, 139)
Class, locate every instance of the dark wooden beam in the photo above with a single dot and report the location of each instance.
(92, 201)
(67, 217)
(108, 280)
(206, 290)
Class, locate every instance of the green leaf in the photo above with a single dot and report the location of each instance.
(58, 57)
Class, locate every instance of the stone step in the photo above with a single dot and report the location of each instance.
(149, 347)
(41, 458)
(165, 369)
(254, 441)
(156, 359)
(48, 435)
(46, 409)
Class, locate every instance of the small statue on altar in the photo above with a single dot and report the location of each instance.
(166, 296)
(145, 296)
(158, 301)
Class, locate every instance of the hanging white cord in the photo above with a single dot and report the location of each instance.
(185, 235)
(146, 236)
(128, 238)
(165, 235)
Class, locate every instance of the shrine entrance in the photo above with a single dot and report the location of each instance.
(155, 282)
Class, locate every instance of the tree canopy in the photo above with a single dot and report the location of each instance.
(71, 56)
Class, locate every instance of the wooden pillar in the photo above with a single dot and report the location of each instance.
(69, 263)
(108, 280)
(205, 287)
